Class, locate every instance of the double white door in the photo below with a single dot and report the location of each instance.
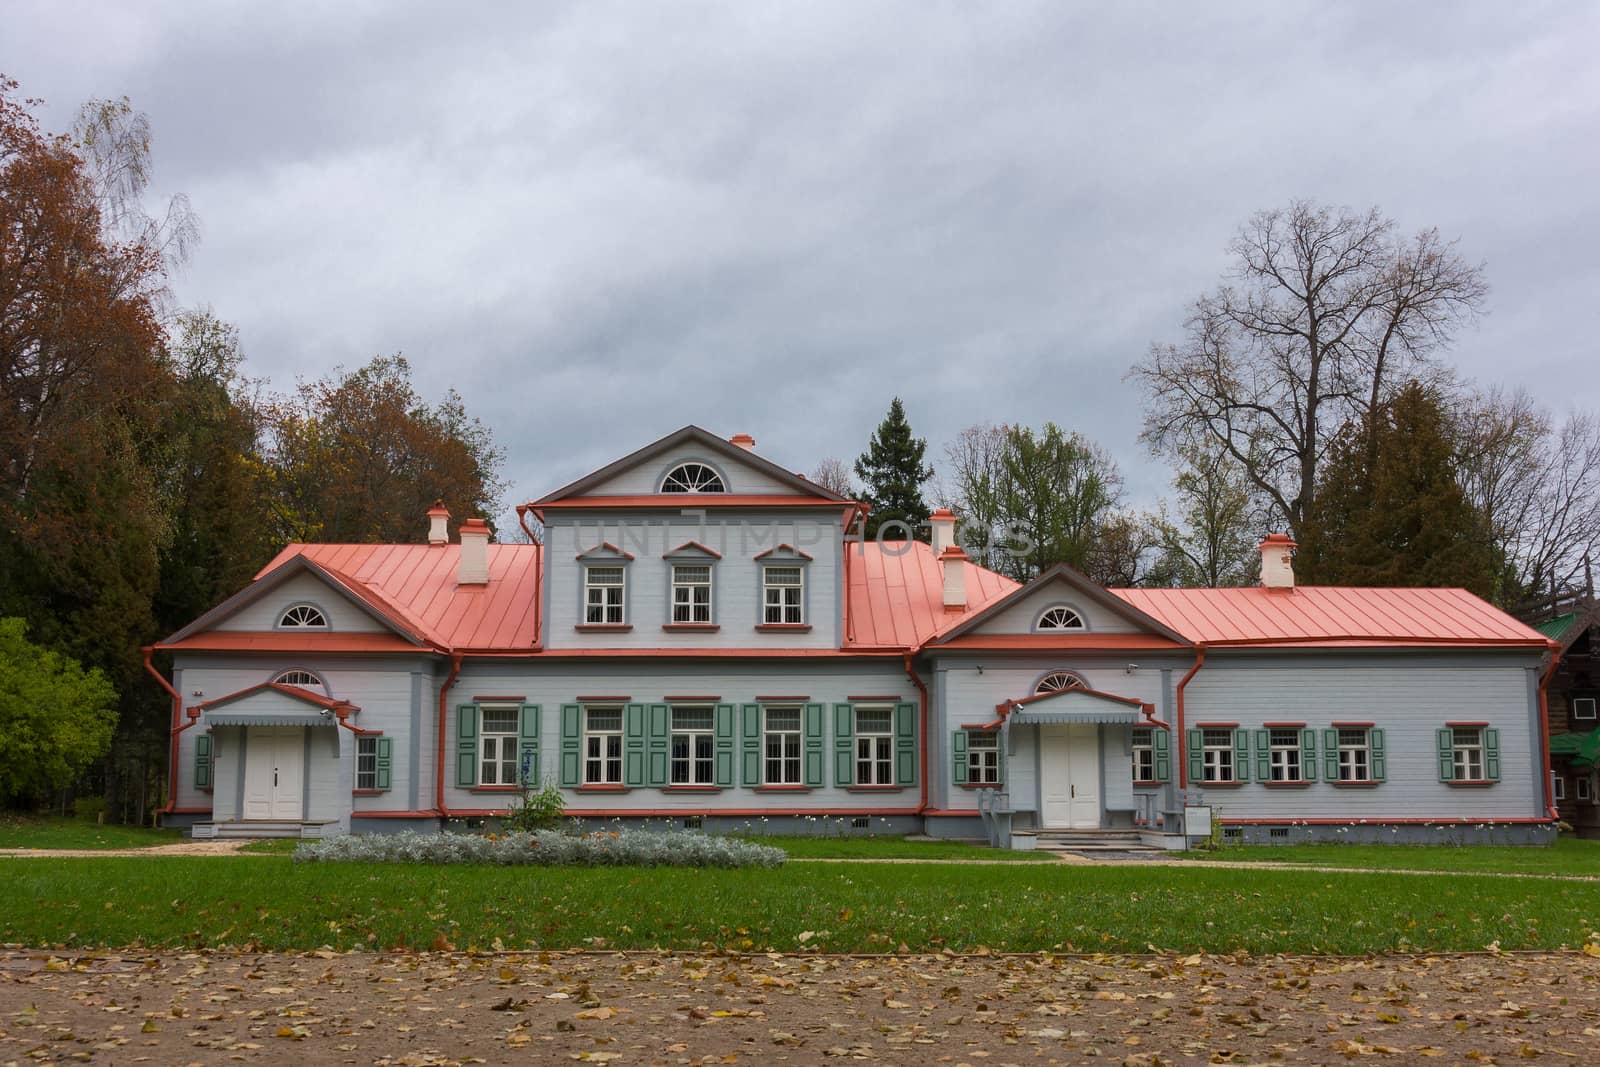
(1069, 767)
(274, 772)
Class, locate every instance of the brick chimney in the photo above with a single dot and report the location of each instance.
(744, 441)
(474, 568)
(438, 524)
(1277, 562)
(954, 562)
(943, 525)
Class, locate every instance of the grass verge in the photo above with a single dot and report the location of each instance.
(1569, 855)
(272, 904)
(54, 831)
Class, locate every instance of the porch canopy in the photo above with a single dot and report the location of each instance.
(246, 718)
(1077, 704)
(274, 704)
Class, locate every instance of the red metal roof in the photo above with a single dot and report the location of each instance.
(289, 641)
(1064, 642)
(294, 691)
(895, 594)
(416, 585)
(1331, 615)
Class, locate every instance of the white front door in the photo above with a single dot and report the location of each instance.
(1069, 766)
(274, 769)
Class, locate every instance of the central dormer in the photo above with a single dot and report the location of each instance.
(693, 542)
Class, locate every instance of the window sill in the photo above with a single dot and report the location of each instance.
(1473, 784)
(875, 788)
(494, 789)
(1148, 785)
(368, 792)
(691, 789)
(783, 788)
(691, 627)
(1286, 785)
(604, 627)
(1355, 785)
(783, 627)
(981, 785)
(603, 788)
(1219, 785)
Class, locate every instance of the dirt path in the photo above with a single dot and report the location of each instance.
(180, 848)
(674, 1009)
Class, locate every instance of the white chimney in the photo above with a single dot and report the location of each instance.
(474, 568)
(944, 530)
(438, 524)
(954, 562)
(1277, 561)
(744, 441)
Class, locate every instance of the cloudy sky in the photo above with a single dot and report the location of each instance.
(601, 221)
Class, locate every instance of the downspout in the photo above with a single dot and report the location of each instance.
(1183, 756)
(178, 726)
(1544, 728)
(444, 696)
(538, 575)
(923, 689)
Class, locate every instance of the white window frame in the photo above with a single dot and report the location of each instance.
(1558, 786)
(983, 757)
(608, 592)
(300, 678)
(1059, 682)
(777, 611)
(1582, 791)
(1583, 709)
(1355, 758)
(782, 746)
(1060, 617)
(707, 480)
(1144, 755)
(875, 747)
(698, 762)
(1287, 760)
(498, 748)
(304, 616)
(1216, 759)
(367, 763)
(602, 746)
(684, 590)
(1468, 754)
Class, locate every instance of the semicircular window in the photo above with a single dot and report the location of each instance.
(1059, 618)
(692, 478)
(1057, 681)
(303, 617)
(300, 678)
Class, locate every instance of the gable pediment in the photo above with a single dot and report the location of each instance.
(1060, 602)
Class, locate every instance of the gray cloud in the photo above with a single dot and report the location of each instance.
(602, 221)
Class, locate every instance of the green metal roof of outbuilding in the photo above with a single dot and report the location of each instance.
(1583, 749)
(1558, 626)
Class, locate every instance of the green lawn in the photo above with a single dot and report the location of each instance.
(887, 847)
(1568, 856)
(53, 831)
(269, 902)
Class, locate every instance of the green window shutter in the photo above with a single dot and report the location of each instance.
(1330, 755)
(1308, 755)
(202, 762)
(528, 745)
(750, 720)
(658, 745)
(813, 756)
(1263, 755)
(1375, 739)
(385, 747)
(1241, 755)
(633, 744)
(722, 753)
(1195, 742)
(1491, 755)
(1447, 755)
(958, 757)
(467, 745)
(905, 744)
(844, 729)
(1161, 744)
(571, 746)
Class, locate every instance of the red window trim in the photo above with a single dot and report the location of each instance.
(519, 696)
(877, 697)
(1473, 783)
(1353, 725)
(1235, 784)
(603, 787)
(875, 788)
(783, 627)
(981, 785)
(689, 698)
(602, 700)
(783, 788)
(1213, 726)
(604, 627)
(784, 699)
(691, 789)
(1287, 785)
(1342, 784)
(367, 793)
(1283, 725)
(494, 789)
(691, 627)
(1467, 725)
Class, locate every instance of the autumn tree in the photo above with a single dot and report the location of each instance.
(833, 475)
(1211, 543)
(974, 471)
(1056, 492)
(1324, 314)
(893, 472)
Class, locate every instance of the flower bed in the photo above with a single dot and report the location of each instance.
(544, 848)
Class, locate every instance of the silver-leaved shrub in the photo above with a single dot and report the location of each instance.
(545, 848)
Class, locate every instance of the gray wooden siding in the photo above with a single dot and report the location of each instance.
(646, 477)
(342, 614)
(1020, 616)
(736, 578)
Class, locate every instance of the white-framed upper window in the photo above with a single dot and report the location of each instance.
(1581, 790)
(303, 617)
(1583, 708)
(602, 745)
(497, 752)
(300, 678)
(691, 592)
(692, 478)
(1558, 787)
(983, 757)
(783, 591)
(366, 763)
(1056, 681)
(1144, 754)
(1060, 618)
(693, 761)
(603, 594)
(1285, 748)
(1466, 742)
(1217, 755)
(781, 746)
(875, 746)
(1355, 754)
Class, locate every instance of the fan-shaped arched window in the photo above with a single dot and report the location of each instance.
(1056, 681)
(692, 478)
(302, 678)
(303, 617)
(1060, 618)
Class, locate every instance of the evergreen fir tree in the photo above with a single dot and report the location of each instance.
(892, 473)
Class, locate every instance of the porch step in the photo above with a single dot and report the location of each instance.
(250, 829)
(1093, 841)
